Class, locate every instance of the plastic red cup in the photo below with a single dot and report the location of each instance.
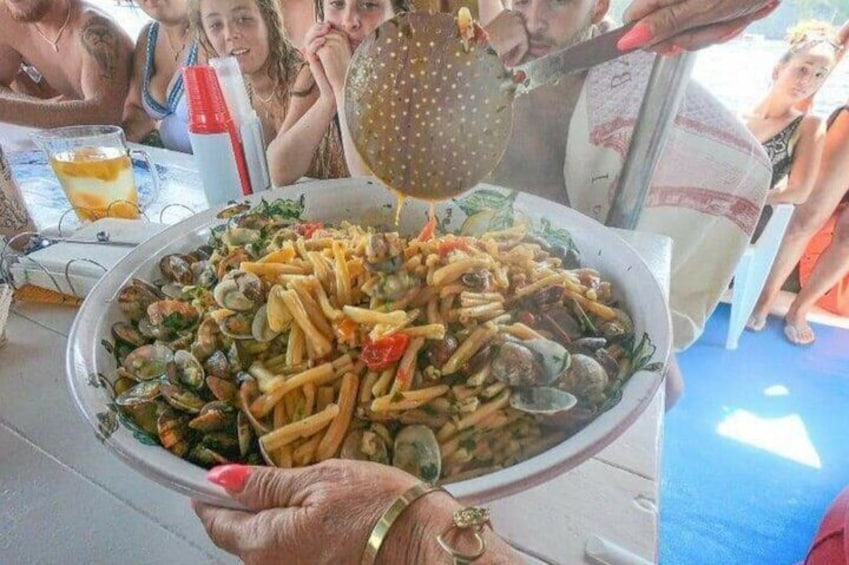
(207, 108)
(208, 114)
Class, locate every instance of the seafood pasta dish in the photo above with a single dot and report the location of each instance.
(447, 355)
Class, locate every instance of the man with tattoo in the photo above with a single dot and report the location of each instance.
(62, 62)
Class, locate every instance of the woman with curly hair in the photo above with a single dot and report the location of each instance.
(281, 85)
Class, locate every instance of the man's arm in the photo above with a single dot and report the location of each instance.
(107, 59)
(136, 123)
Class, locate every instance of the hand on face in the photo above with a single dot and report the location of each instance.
(333, 50)
(335, 56)
(673, 25)
(318, 514)
(508, 36)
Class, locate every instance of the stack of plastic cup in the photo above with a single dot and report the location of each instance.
(250, 127)
(214, 137)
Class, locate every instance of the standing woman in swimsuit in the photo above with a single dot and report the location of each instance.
(815, 49)
(156, 110)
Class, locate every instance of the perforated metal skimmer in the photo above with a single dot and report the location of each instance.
(429, 116)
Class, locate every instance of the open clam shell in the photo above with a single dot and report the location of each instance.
(542, 400)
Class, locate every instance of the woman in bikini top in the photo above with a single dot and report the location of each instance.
(793, 139)
(156, 111)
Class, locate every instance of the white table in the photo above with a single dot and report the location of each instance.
(65, 499)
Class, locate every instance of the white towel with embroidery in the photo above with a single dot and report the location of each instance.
(707, 192)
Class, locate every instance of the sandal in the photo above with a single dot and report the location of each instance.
(797, 335)
(756, 323)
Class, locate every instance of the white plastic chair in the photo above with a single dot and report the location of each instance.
(753, 270)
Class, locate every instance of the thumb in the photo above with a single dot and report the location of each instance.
(261, 488)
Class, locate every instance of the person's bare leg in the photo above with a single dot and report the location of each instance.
(810, 216)
(833, 264)
(806, 220)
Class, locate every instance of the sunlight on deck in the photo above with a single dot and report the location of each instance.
(786, 437)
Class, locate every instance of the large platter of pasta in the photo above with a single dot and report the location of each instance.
(487, 344)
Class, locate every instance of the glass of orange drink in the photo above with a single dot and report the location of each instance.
(95, 168)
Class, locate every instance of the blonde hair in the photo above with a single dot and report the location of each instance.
(284, 59)
(808, 34)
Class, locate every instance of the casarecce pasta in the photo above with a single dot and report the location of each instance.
(446, 355)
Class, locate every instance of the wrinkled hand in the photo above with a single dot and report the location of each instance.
(312, 515)
(508, 36)
(672, 25)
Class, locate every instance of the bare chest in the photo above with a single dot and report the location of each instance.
(58, 61)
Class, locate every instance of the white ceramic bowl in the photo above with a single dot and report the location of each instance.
(362, 201)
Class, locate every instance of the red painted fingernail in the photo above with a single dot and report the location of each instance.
(639, 35)
(231, 477)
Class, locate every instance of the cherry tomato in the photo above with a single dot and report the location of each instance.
(446, 247)
(307, 230)
(380, 354)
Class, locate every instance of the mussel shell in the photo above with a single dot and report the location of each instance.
(244, 433)
(222, 388)
(365, 445)
(218, 365)
(181, 398)
(553, 357)
(248, 390)
(135, 297)
(174, 434)
(141, 393)
(610, 364)
(517, 365)
(542, 400)
(145, 416)
(189, 370)
(260, 329)
(586, 379)
(207, 457)
(221, 441)
(150, 331)
(127, 333)
(177, 268)
(561, 323)
(237, 325)
(214, 416)
(416, 451)
(148, 361)
(173, 290)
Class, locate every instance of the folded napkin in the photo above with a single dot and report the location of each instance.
(86, 255)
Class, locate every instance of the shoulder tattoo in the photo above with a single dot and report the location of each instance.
(102, 43)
